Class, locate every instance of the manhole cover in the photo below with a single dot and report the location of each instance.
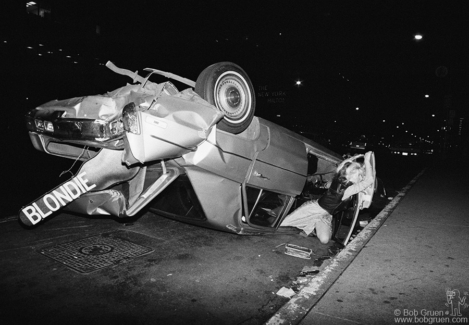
(93, 253)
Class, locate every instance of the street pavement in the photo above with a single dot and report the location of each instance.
(409, 265)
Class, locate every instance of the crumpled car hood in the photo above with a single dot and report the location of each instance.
(104, 107)
(170, 128)
(96, 120)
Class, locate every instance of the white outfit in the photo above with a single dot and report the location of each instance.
(310, 213)
(307, 216)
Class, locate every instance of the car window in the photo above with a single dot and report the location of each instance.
(265, 207)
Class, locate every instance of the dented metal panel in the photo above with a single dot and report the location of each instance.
(172, 127)
(230, 155)
(247, 144)
(147, 126)
(226, 164)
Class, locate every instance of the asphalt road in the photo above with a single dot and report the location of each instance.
(192, 275)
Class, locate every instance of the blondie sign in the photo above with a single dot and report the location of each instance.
(55, 199)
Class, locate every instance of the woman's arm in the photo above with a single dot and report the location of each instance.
(356, 188)
(351, 159)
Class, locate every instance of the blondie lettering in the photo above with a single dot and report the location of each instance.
(56, 199)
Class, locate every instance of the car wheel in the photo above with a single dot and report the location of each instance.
(226, 86)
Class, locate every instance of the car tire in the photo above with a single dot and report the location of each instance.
(226, 86)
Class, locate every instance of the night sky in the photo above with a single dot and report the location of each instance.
(347, 54)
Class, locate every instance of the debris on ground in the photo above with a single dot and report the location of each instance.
(298, 251)
(285, 292)
(309, 270)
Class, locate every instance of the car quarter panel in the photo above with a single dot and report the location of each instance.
(282, 166)
(219, 197)
(230, 155)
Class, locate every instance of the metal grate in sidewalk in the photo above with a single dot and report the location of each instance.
(94, 253)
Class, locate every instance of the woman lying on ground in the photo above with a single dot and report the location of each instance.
(351, 178)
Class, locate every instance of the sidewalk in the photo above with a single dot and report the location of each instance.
(401, 267)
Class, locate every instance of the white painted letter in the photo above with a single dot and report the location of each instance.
(75, 187)
(80, 186)
(56, 203)
(84, 181)
(63, 195)
(40, 212)
(32, 214)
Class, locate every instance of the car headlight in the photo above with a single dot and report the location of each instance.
(44, 125)
(39, 124)
(49, 126)
(130, 118)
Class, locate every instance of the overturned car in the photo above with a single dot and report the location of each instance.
(199, 155)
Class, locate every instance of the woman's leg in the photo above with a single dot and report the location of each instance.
(301, 218)
(323, 231)
(306, 218)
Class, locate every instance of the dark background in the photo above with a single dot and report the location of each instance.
(347, 54)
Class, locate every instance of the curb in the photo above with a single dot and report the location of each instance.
(299, 305)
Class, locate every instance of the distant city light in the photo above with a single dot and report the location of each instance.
(426, 96)
(298, 83)
(418, 37)
(357, 108)
(433, 115)
(384, 121)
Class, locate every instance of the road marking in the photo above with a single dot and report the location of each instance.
(8, 219)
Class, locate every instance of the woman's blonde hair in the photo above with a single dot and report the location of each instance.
(355, 167)
(347, 168)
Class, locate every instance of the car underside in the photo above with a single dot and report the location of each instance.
(198, 155)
